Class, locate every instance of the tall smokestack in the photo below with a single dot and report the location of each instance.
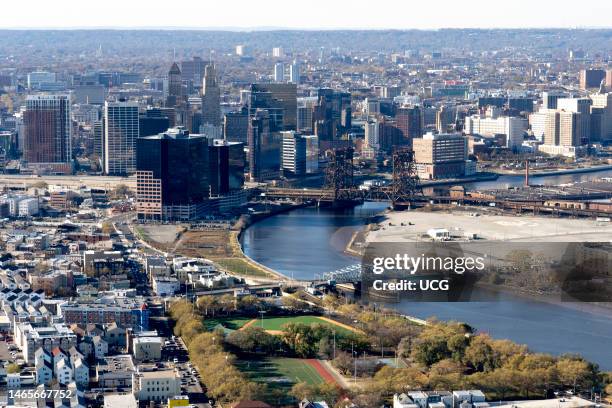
(526, 173)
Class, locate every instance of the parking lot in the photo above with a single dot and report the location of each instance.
(9, 352)
(190, 378)
(5, 355)
(175, 351)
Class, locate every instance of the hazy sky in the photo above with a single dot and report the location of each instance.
(311, 14)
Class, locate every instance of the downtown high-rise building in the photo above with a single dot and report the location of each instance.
(601, 116)
(305, 110)
(264, 147)
(279, 72)
(331, 117)
(280, 100)
(47, 130)
(236, 126)
(154, 121)
(98, 141)
(172, 176)
(571, 130)
(193, 70)
(277, 52)
(513, 127)
(174, 95)
(410, 122)
(445, 118)
(583, 107)
(441, 155)
(563, 133)
(549, 99)
(226, 166)
(121, 131)
(293, 160)
(591, 78)
(211, 97)
(294, 73)
(371, 128)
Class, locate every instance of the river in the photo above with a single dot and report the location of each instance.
(307, 242)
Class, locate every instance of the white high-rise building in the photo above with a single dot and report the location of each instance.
(371, 134)
(583, 107)
(563, 133)
(279, 72)
(537, 121)
(300, 153)
(293, 160)
(513, 127)
(241, 50)
(571, 127)
(120, 136)
(277, 52)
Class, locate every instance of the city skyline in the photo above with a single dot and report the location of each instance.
(306, 219)
(248, 16)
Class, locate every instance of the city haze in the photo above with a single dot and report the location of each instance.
(319, 14)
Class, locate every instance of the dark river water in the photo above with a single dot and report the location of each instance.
(308, 242)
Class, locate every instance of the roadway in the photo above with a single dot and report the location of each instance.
(102, 182)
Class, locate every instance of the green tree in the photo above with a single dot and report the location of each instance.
(40, 184)
(343, 362)
(292, 303)
(121, 191)
(13, 368)
(253, 339)
(574, 372)
(107, 228)
(250, 304)
(302, 390)
(326, 347)
(208, 304)
(480, 355)
(391, 380)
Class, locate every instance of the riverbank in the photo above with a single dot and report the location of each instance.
(248, 220)
(484, 176)
(598, 309)
(312, 241)
(406, 227)
(544, 173)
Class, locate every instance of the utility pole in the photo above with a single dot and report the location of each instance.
(354, 362)
(334, 344)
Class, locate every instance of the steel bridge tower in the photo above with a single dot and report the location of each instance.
(339, 174)
(405, 185)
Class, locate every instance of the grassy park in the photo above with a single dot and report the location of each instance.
(275, 324)
(280, 375)
(281, 372)
(232, 323)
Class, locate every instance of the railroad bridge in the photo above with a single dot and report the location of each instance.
(403, 191)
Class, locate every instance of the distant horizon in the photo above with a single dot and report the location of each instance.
(246, 15)
(263, 28)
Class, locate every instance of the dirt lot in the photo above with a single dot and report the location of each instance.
(217, 244)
